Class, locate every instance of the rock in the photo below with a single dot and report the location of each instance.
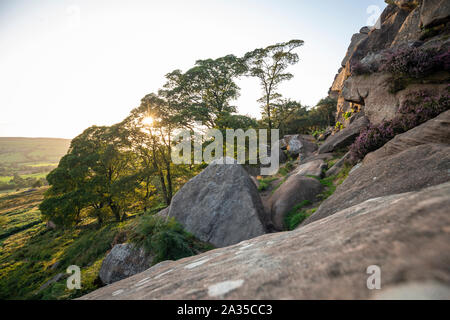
(300, 145)
(357, 38)
(164, 213)
(322, 156)
(344, 137)
(50, 225)
(410, 170)
(365, 30)
(407, 4)
(427, 290)
(436, 130)
(406, 235)
(123, 261)
(373, 93)
(410, 30)
(391, 20)
(294, 190)
(434, 12)
(312, 168)
(337, 167)
(221, 206)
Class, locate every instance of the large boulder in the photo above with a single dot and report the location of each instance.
(294, 190)
(406, 235)
(312, 168)
(411, 170)
(123, 261)
(221, 205)
(344, 137)
(436, 130)
(434, 12)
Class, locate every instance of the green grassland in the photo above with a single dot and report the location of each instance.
(32, 254)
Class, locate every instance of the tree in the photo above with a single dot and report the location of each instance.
(95, 176)
(269, 66)
(204, 92)
(282, 112)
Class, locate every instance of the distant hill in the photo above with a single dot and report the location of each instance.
(32, 150)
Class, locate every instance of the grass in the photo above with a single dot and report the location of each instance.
(264, 183)
(297, 215)
(31, 254)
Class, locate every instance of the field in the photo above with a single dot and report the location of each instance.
(30, 158)
(32, 151)
(33, 255)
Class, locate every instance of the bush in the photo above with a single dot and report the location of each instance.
(417, 109)
(166, 239)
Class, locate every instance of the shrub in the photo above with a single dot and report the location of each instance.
(347, 115)
(166, 239)
(418, 108)
(413, 63)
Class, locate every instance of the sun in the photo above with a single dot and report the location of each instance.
(148, 121)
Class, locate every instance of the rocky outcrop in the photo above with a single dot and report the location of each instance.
(412, 23)
(344, 137)
(406, 235)
(294, 190)
(221, 206)
(434, 12)
(410, 170)
(123, 261)
(436, 130)
(312, 168)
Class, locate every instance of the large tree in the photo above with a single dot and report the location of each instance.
(269, 66)
(205, 92)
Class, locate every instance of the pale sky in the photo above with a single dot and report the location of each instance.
(67, 65)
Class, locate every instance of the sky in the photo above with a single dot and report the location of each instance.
(68, 64)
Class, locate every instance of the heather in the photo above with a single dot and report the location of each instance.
(406, 63)
(418, 108)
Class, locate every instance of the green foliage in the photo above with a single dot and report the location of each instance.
(347, 115)
(296, 215)
(166, 239)
(339, 126)
(264, 183)
(269, 66)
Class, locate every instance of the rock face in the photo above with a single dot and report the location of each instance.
(403, 23)
(344, 137)
(434, 12)
(294, 190)
(410, 170)
(406, 235)
(221, 206)
(123, 261)
(436, 130)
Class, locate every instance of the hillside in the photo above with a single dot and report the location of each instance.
(32, 151)
(30, 158)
